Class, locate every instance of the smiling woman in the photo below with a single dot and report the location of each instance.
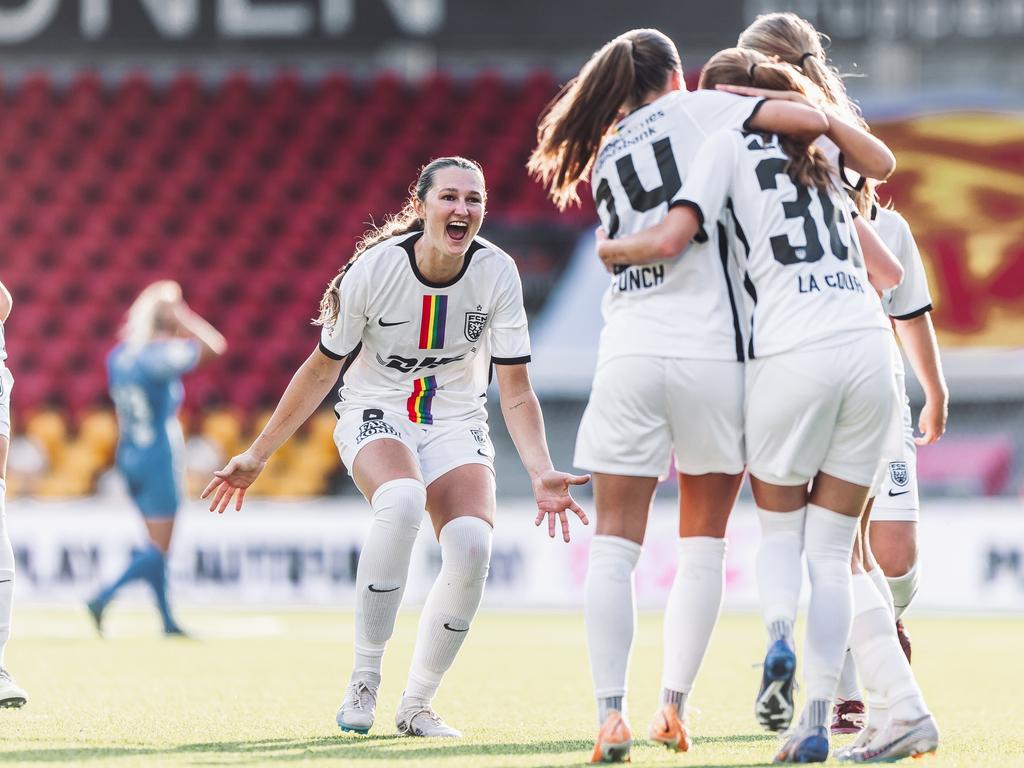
(415, 320)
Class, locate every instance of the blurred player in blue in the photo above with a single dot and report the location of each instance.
(161, 341)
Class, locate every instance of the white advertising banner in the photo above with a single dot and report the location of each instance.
(972, 555)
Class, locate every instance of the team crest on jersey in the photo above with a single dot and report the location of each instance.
(479, 436)
(899, 472)
(475, 322)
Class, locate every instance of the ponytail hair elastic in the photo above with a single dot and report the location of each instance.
(804, 57)
(750, 72)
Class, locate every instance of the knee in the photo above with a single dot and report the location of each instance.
(895, 550)
(897, 563)
(466, 546)
(399, 504)
(613, 556)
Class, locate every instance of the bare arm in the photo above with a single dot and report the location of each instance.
(791, 118)
(211, 343)
(6, 302)
(664, 240)
(525, 422)
(884, 269)
(917, 336)
(307, 389)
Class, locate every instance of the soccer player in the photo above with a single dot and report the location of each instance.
(11, 694)
(162, 340)
(669, 373)
(415, 320)
(818, 380)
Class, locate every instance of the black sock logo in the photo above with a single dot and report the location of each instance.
(381, 590)
(453, 629)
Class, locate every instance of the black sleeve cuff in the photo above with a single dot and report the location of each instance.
(333, 355)
(856, 187)
(701, 236)
(915, 313)
(753, 114)
(510, 360)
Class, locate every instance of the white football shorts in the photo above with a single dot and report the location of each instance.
(827, 409)
(439, 447)
(895, 486)
(6, 385)
(642, 407)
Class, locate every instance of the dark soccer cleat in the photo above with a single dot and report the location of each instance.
(848, 716)
(96, 612)
(774, 705)
(904, 638)
(805, 745)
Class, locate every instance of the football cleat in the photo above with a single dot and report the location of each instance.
(357, 708)
(669, 729)
(11, 694)
(774, 705)
(897, 740)
(865, 736)
(848, 716)
(614, 740)
(904, 638)
(96, 608)
(805, 745)
(417, 718)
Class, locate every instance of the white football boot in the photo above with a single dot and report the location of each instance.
(899, 739)
(11, 694)
(417, 718)
(358, 707)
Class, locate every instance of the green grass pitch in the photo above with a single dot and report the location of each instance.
(262, 689)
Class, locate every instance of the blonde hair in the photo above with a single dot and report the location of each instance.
(401, 223)
(795, 41)
(571, 128)
(142, 321)
(806, 164)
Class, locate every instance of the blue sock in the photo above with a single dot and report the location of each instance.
(150, 565)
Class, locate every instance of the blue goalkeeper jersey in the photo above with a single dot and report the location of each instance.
(145, 385)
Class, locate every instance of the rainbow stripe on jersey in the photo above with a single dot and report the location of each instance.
(435, 310)
(418, 404)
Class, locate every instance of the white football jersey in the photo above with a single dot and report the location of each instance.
(803, 271)
(910, 298)
(423, 348)
(686, 306)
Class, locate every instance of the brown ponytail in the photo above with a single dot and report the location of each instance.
(806, 164)
(570, 130)
(405, 221)
(794, 40)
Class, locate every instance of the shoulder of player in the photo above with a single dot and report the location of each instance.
(484, 253)
(381, 256)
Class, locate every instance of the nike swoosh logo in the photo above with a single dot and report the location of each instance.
(481, 452)
(898, 494)
(381, 590)
(875, 752)
(382, 324)
(453, 629)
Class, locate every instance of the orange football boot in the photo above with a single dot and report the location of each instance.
(669, 729)
(613, 740)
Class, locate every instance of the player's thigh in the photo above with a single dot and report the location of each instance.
(705, 502)
(463, 491)
(160, 530)
(894, 545)
(895, 489)
(705, 410)
(622, 504)
(778, 498)
(790, 412)
(376, 446)
(625, 428)
(839, 495)
(443, 446)
(5, 447)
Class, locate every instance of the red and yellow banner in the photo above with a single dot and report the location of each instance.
(960, 185)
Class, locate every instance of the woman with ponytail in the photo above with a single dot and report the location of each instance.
(414, 321)
(669, 377)
(818, 403)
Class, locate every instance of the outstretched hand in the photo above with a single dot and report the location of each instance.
(551, 491)
(237, 475)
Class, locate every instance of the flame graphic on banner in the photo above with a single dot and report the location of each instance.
(960, 185)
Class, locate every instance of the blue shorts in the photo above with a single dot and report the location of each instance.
(156, 492)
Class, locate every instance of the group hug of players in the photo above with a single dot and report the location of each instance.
(748, 327)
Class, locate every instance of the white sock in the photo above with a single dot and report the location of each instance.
(398, 507)
(882, 585)
(880, 659)
(780, 570)
(903, 589)
(609, 612)
(848, 688)
(451, 604)
(6, 576)
(694, 603)
(828, 543)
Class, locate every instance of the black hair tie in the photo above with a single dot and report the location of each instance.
(750, 72)
(804, 57)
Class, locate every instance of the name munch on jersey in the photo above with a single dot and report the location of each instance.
(424, 348)
(685, 306)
